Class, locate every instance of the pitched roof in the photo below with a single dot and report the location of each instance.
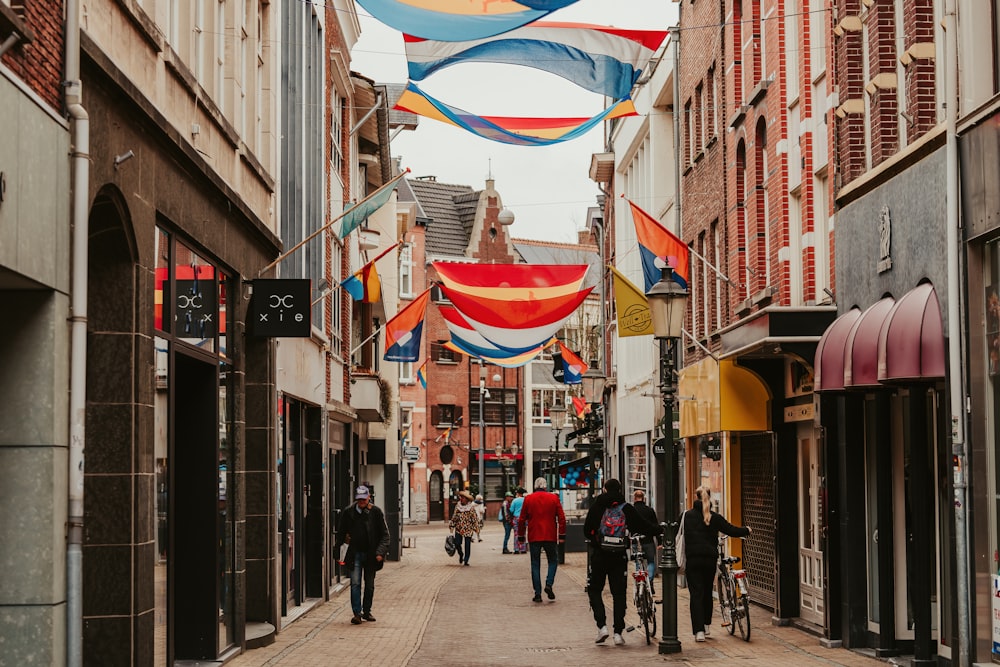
(451, 211)
(546, 252)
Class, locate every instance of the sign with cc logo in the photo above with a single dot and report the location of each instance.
(281, 308)
(196, 308)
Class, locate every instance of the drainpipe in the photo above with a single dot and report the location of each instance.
(80, 188)
(956, 399)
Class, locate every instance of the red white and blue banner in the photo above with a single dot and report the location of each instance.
(607, 61)
(517, 131)
(456, 20)
(516, 307)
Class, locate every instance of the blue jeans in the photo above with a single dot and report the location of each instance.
(551, 556)
(362, 568)
(463, 554)
(507, 527)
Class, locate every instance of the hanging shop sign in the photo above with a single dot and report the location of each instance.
(280, 308)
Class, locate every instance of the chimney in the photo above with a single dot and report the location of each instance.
(584, 237)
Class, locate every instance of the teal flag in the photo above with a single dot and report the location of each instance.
(358, 213)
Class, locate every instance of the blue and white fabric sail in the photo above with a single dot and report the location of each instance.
(602, 60)
(509, 130)
(456, 20)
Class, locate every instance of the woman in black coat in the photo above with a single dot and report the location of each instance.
(701, 547)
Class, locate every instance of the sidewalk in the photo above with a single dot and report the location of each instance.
(431, 611)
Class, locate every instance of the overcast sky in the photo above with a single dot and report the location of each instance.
(547, 187)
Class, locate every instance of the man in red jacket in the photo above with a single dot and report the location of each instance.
(544, 521)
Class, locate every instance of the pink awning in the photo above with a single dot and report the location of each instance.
(831, 351)
(861, 360)
(911, 341)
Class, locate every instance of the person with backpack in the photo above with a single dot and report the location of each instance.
(607, 527)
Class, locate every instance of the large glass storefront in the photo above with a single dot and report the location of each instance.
(195, 529)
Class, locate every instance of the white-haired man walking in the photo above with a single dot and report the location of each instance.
(543, 521)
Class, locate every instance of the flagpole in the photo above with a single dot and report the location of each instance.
(329, 224)
(374, 333)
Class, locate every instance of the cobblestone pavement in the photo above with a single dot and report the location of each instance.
(431, 611)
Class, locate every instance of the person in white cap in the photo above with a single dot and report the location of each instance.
(362, 527)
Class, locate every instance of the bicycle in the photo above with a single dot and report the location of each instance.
(643, 596)
(734, 600)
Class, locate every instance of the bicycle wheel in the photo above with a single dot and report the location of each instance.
(741, 617)
(725, 602)
(744, 607)
(651, 616)
(641, 606)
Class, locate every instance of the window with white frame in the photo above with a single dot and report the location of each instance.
(406, 372)
(542, 400)
(406, 271)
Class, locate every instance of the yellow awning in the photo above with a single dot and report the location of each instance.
(719, 396)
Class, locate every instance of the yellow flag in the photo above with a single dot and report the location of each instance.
(633, 309)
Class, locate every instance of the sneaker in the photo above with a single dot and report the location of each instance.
(356, 619)
(537, 598)
(700, 637)
(602, 634)
(619, 640)
(368, 617)
(507, 551)
(548, 591)
(708, 631)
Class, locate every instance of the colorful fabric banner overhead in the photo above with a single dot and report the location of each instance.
(402, 332)
(631, 307)
(573, 365)
(516, 307)
(509, 130)
(467, 340)
(607, 61)
(459, 19)
(659, 248)
(513, 361)
(364, 285)
(422, 375)
(494, 281)
(357, 214)
(581, 407)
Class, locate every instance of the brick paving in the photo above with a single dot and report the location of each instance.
(431, 611)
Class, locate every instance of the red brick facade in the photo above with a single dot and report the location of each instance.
(39, 62)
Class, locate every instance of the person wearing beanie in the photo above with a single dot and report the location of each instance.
(363, 529)
(609, 559)
(543, 523)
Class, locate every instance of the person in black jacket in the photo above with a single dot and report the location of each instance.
(701, 547)
(648, 541)
(362, 527)
(611, 564)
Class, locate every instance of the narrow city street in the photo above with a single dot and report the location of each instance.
(431, 611)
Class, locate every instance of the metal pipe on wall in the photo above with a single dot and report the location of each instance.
(79, 241)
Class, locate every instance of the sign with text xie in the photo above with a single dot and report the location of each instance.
(280, 308)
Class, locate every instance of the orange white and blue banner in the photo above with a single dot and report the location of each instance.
(365, 285)
(580, 406)
(603, 60)
(659, 248)
(506, 129)
(422, 375)
(403, 332)
(459, 19)
(514, 361)
(573, 366)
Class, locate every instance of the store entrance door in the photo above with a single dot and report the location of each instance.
(811, 601)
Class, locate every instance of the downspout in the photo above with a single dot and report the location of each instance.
(79, 234)
(955, 383)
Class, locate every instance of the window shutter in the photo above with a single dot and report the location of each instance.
(435, 414)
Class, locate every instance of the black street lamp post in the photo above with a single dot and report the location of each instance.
(667, 303)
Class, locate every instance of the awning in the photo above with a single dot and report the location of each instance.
(911, 343)
(892, 341)
(861, 358)
(830, 352)
(719, 396)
